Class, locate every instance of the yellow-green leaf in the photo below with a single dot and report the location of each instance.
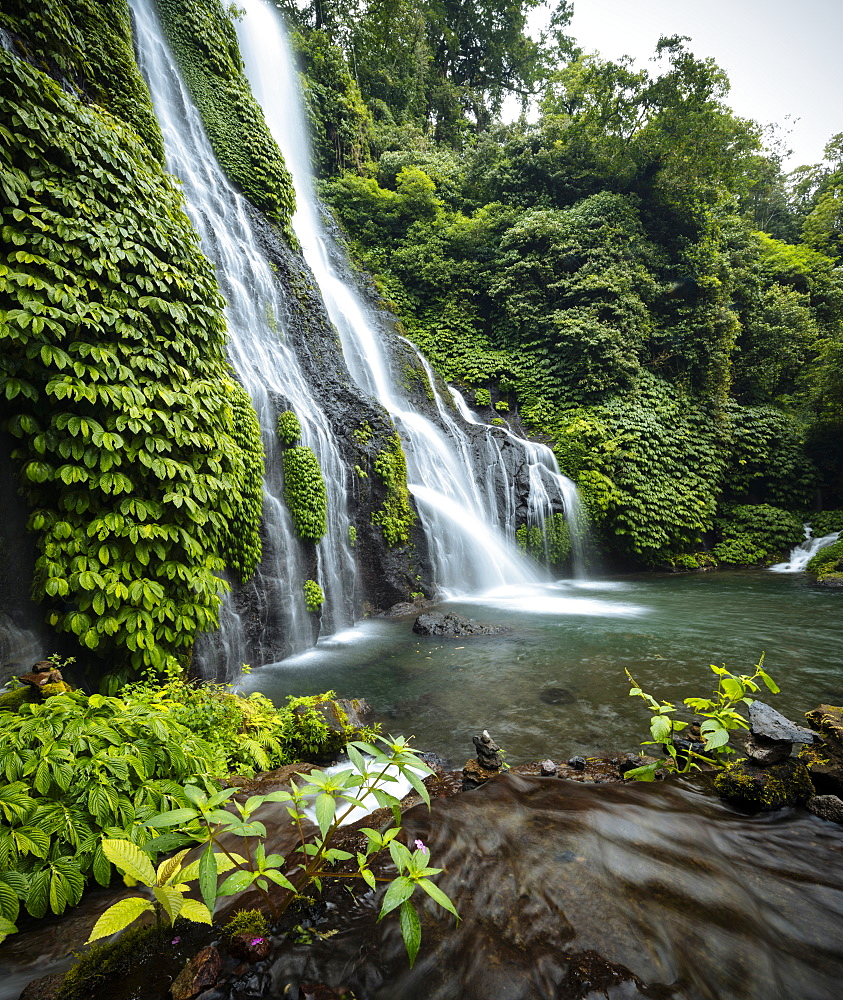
(119, 916)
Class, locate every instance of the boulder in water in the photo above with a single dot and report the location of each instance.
(452, 625)
(765, 788)
(766, 722)
(828, 807)
(824, 759)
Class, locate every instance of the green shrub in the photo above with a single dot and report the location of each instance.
(824, 522)
(77, 767)
(304, 492)
(137, 449)
(314, 597)
(289, 428)
(753, 533)
(828, 562)
(396, 516)
(482, 397)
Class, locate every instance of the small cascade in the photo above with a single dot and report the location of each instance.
(267, 366)
(464, 509)
(547, 484)
(805, 551)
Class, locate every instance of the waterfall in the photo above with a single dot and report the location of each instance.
(455, 489)
(268, 368)
(803, 553)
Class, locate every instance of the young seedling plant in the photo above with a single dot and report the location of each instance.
(720, 716)
(208, 820)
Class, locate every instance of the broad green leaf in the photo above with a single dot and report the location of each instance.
(279, 879)
(771, 684)
(170, 898)
(236, 882)
(325, 809)
(208, 875)
(718, 738)
(661, 728)
(438, 895)
(410, 929)
(399, 889)
(130, 859)
(647, 772)
(119, 916)
(6, 928)
(175, 817)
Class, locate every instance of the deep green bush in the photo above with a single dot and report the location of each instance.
(756, 533)
(138, 450)
(825, 521)
(304, 492)
(828, 562)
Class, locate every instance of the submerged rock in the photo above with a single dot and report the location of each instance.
(764, 788)
(450, 624)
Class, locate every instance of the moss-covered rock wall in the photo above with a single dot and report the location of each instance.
(138, 450)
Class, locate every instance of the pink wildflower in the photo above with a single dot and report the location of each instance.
(255, 941)
(420, 846)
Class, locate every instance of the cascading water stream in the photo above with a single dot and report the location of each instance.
(455, 497)
(545, 479)
(267, 367)
(804, 552)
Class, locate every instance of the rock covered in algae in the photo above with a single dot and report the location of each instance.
(824, 759)
(764, 788)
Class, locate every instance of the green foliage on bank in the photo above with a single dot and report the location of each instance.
(754, 534)
(304, 492)
(828, 564)
(599, 269)
(202, 37)
(78, 767)
(396, 516)
(89, 42)
(139, 452)
(289, 428)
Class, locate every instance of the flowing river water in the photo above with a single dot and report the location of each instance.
(554, 685)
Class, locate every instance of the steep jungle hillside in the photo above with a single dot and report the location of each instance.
(631, 272)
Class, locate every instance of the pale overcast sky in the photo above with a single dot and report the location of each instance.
(783, 57)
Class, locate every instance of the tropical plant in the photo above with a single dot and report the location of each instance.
(719, 716)
(206, 821)
(78, 767)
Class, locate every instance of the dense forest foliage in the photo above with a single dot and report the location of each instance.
(627, 268)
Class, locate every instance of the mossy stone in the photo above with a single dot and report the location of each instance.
(11, 701)
(765, 788)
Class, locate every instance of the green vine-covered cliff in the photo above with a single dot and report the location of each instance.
(137, 449)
